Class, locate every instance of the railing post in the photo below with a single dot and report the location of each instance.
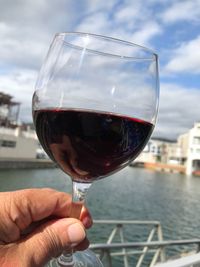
(160, 238)
(198, 247)
(107, 253)
(126, 249)
(145, 249)
(120, 226)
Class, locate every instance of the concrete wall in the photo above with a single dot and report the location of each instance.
(25, 146)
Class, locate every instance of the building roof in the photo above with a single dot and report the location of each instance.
(164, 140)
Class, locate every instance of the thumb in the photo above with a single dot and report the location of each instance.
(50, 239)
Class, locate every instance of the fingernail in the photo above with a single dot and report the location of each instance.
(76, 233)
(87, 222)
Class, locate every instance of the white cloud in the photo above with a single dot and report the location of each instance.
(186, 58)
(97, 22)
(188, 10)
(146, 33)
(126, 23)
(27, 28)
(130, 13)
(20, 84)
(96, 5)
(179, 109)
(17, 52)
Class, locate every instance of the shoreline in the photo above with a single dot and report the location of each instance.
(24, 163)
(162, 167)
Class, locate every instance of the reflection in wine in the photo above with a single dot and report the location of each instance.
(89, 145)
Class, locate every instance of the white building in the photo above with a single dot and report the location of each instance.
(190, 146)
(16, 141)
(160, 150)
(17, 144)
(185, 152)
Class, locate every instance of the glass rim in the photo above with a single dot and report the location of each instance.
(153, 54)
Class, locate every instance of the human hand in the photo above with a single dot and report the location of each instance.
(35, 226)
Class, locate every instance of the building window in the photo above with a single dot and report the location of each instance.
(7, 143)
(196, 140)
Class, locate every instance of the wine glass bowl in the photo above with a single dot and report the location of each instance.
(95, 105)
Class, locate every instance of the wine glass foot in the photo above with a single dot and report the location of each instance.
(81, 259)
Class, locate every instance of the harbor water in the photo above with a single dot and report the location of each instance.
(133, 193)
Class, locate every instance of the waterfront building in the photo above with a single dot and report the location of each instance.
(160, 150)
(190, 149)
(185, 152)
(17, 141)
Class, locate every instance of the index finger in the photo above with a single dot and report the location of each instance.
(31, 205)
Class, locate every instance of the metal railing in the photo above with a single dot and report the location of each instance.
(153, 248)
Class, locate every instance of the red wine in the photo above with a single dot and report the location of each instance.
(89, 145)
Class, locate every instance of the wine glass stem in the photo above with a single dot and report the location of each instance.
(78, 197)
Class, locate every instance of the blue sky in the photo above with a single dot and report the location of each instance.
(170, 27)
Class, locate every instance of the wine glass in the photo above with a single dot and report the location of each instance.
(94, 109)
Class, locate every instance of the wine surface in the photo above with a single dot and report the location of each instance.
(90, 145)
